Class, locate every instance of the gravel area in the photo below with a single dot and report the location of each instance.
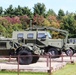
(40, 66)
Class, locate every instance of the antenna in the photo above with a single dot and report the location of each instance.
(30, 24)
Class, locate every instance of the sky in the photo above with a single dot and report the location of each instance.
(65, 5)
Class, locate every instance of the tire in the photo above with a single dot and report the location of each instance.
(69, 52)
(11, 52)
(35, 58)
(53, 53)
(25, 56)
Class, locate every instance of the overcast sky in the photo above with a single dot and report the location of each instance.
(66, 5)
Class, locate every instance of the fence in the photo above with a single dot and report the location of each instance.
(44, 64)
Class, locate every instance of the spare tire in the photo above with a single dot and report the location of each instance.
(25, 56)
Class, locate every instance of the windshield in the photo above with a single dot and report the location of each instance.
(41, 35)
(48, 34)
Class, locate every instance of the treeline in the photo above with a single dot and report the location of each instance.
(18, 18)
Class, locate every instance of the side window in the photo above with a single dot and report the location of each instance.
(74, 40)
(70, 41)
(41, 35)
(2, 44)
(20, 37)
(30, 35)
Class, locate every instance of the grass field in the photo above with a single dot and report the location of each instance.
(22, 73)
(69, 69)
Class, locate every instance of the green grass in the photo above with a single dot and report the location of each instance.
(22, 73)
(69, 69)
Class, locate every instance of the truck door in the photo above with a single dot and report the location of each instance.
(20, 37)
(41, 38)
(31, 37)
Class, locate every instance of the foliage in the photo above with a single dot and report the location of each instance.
(60, 14)
(13, 20)
(53, 21)
(25, 21)
(46, 22)
(9, 11)
(17, 27)
(4, 22)
(1, 11)
(69, 24)
(2, 29)
(27, 11)
(18, 18)
(39, 9)
(17, 11)
(50, 12)
(38, 19)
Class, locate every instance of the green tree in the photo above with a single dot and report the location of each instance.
(17, 27)
(1, 11)
(50, 12)
(46, 22)
(18, 11)
(39, 9)
(27, 11)
(2, 29)
(9, 11)
(60, 14)
(69, 24)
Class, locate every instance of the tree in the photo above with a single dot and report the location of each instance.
(69, 24)
(46, 22)
(53, 21)
(4, 22)
(38, 19)
(1, 10)
(60, 14)
(9, 11)
(13, 20)
(27, 11)
(2, 29)
(39, 9)
(18, 11)
(50, 12)
(17, 27)
(25, 21)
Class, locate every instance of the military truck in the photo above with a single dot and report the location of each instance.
(36, 41)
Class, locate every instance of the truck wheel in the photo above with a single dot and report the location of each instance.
(25, 57)
(53, 52)
(69, 52)
(35, 58)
